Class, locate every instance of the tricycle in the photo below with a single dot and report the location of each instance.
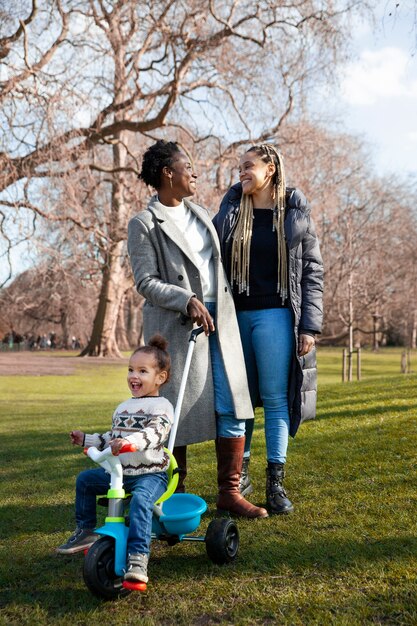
(175, 517)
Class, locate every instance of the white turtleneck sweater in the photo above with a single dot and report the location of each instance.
(199, 240)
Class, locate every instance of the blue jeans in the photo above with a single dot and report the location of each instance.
(145, 490)
(268, 343)
(227, 424)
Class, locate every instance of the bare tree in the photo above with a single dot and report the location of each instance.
(85, 84)
(49, 298)
(366, 227)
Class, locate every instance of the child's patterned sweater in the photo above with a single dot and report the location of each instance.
(146, 422)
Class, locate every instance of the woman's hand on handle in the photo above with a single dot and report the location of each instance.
(305, 344)
(199, 314)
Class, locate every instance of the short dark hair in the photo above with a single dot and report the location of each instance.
(158, 156)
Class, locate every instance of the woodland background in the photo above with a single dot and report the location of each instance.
(87, 85)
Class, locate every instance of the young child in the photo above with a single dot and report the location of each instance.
(144, 420)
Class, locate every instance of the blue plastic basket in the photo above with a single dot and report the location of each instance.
(181, 513)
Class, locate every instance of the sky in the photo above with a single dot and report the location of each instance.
(378, 90)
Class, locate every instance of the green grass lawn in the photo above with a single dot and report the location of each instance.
(348, 555)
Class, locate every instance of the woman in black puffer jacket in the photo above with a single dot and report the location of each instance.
(272, 258)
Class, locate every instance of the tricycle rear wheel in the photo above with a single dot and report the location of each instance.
(222, 541)
(99, 574)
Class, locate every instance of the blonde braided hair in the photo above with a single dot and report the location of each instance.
(243, 231)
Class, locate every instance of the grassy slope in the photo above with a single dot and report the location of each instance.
(347, 556)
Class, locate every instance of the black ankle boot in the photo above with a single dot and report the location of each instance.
(245, 484)
(276, 498)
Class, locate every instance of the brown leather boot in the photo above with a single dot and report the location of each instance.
(180, 454)
(229, 466)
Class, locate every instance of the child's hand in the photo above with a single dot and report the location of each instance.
(77, 437)
(117, 444)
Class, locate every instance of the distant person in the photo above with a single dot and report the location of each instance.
(144, 420)
(273, 262)
(75, 343)
(176, 262)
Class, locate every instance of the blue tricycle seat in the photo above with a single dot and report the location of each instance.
(181, 514)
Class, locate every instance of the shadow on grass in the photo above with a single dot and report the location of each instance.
(324, 555)
(18, 520)
(56, 585)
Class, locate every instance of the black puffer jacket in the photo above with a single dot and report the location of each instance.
(305, 268)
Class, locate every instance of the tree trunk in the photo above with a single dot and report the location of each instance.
(64, 328)
(134, 321)
(103, 340)
(122, 335)
(103, 337)
(350, 353)
(413, 338)
(115, 283)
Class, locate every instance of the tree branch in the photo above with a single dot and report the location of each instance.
(31, 70)
(6, 41)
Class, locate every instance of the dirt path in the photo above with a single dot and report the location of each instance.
(48, 364)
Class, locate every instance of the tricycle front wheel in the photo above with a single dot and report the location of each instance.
(222, 541)
(99, 574)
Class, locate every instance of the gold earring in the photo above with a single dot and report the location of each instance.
(170, 182)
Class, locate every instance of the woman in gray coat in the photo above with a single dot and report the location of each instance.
(175, 256)
(272, 259)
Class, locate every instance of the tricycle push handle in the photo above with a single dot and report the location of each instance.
(195, 332)
(191, 345)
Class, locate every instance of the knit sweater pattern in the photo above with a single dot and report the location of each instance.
(145, 422)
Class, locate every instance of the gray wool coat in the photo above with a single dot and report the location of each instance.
(167, 276)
